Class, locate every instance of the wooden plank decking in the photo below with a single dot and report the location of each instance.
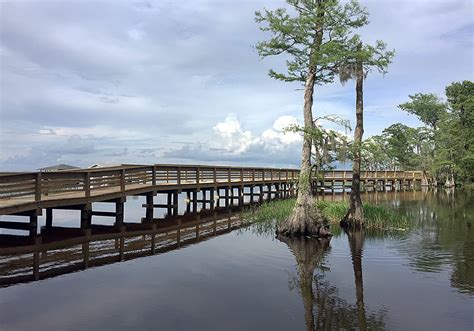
(20, 192)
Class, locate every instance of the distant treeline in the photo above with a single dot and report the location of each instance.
(443, 146)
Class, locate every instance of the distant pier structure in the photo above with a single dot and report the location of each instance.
(31, 194)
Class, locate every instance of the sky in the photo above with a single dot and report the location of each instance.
(110, 82)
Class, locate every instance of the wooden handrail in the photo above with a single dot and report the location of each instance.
(39, 184)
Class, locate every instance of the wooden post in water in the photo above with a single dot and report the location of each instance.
(217, 197)
(188, 202)
(231, 195)
(175, 203)
(195, 199)
(211, 198)
(49, 218)
(240, 192)
(119, 211)
(33, 223)
(227, 196)
(169, 203)
(86, 216)
(149, 207)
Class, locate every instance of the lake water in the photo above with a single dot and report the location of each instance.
(246, 279)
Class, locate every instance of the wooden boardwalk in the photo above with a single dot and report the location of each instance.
(27, 191)
(28, 194)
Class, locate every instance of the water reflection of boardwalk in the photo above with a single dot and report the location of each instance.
(28, 194)
(56, 251)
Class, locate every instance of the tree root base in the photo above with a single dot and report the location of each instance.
(353, 219)
(305, 221)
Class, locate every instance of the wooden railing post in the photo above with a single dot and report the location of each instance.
(153, 175)
(178, 175)
(38, 187)
(122, 180)
(229, 175)
(197, 175)
(214, 175)
(87, 184)
(253, 175)
(241, 175)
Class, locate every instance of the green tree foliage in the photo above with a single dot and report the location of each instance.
(373, 154)
(443, 146)
(455, 137)
(318, 36)
(400, 145)
(427, 107)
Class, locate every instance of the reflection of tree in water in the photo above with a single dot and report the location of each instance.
(324, 309)
(356, 242)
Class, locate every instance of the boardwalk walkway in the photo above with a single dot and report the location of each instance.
(27, 194)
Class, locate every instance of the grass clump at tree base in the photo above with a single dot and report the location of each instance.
(376, 216)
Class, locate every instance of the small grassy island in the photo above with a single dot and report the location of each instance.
(376, 216)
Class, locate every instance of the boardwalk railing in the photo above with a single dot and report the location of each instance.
(371, 175)
(39, 185)
(85, 182)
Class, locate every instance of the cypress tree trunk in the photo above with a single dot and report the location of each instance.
(355, 215)
(306, 219)
(424, 179)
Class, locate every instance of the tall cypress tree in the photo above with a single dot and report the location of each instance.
(315, 37)
(362, 60)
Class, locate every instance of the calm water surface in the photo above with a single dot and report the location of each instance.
(421, 279)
